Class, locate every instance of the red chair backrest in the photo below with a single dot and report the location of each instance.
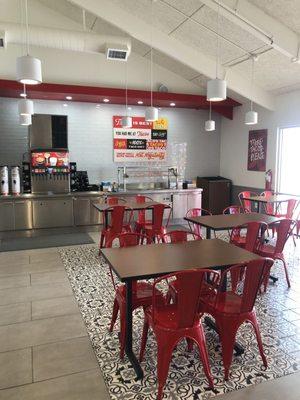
(129, 239)
(246, 204)
(284, 228)
(252, 274)
(142, 213)
(189, 287)
(196, 212)
(180, 236)
(291, 205)
(116, 218)
(233, 210)
(254, 235)
(114, 200)
(269, 207)
(157, 216)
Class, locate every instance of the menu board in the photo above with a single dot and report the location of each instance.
(257, 150)
(50, 159)
(144, 141)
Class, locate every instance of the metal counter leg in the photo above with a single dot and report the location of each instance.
(128, 345)
(208, 233)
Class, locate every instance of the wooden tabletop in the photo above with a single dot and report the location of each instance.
(228, 221)
(129, 204)
(276, 198)
(149, 261)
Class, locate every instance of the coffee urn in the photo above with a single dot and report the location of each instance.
(4, 180)
(15, 180)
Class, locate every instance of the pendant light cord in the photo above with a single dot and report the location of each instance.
(151, 56)
(251, 91)
(27, 27)
(210, 110)
(218, 43)
(126, 88)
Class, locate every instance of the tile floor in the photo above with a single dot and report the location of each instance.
(45, 352)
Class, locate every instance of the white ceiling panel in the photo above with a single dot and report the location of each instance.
(70, 10)
(188, 7)
(164, 18)
(204, 41)
(285, 11)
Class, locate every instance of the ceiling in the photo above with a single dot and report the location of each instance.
(193, 23)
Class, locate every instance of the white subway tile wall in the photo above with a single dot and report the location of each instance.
(90, 136)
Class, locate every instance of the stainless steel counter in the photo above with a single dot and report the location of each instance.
(36, 211)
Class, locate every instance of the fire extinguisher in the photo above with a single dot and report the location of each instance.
(268, 179)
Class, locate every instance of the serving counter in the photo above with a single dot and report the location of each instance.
(38, 211)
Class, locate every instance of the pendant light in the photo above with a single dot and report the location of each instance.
(25, 106)
(251, 117)
(217, 88)
(210, 124)
(25, 120)
(126, 120)
(151, 113)
(29, 69)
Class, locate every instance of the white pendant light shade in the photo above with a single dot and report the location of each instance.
(29, 70)
(251, 118)
(151, 114)
(216, 90)
(210, 125)
(126, 122)
(25, 107)
(25, 119)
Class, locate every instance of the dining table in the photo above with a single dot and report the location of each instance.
(259, 201)
(150, 261)
(221, 222)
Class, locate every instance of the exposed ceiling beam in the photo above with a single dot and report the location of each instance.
(172, 47)
(252, 19)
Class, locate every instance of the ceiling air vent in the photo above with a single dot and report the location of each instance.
(2, 40)
(117, 52)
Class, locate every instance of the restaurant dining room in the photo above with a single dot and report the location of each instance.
(149, 199)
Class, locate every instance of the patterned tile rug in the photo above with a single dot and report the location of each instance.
(278, 312)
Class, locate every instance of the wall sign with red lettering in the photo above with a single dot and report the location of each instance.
(144, 141)
(257, 150)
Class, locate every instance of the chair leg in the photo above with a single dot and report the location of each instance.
(227, 332)
(102, 236)
(144, 339)
(114, 315)
(254, 323)
(286, 272)
(201, 342)
(164, 354)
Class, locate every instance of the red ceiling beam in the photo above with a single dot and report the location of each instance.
(92, 94)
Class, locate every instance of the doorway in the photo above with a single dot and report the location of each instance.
(288, 181)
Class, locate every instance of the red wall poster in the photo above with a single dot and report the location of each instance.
(144, 141)
(257, 150)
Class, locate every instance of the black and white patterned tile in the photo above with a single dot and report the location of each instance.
(278, 313)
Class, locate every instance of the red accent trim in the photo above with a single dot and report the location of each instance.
(90, 94)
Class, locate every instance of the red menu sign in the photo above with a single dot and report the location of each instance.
(257, 150)
(143, 141)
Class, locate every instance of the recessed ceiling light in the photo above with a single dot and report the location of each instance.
(172, 104)
(65, 105)
(23, 94)
(98, 106)
(129, 108)
(106, 100)
(68, 97)
(140, 102)
(159, 108)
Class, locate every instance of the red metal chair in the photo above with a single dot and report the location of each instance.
(232, 308)
(284, 230)
(117, 224)
(180, 236)
(196, 212)
(142, 291)
(246, 204)
(141, 216)
(268, 207)
(255, 233)
(173, 322)
(156, 230)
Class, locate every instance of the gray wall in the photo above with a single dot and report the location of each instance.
(90, 136)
